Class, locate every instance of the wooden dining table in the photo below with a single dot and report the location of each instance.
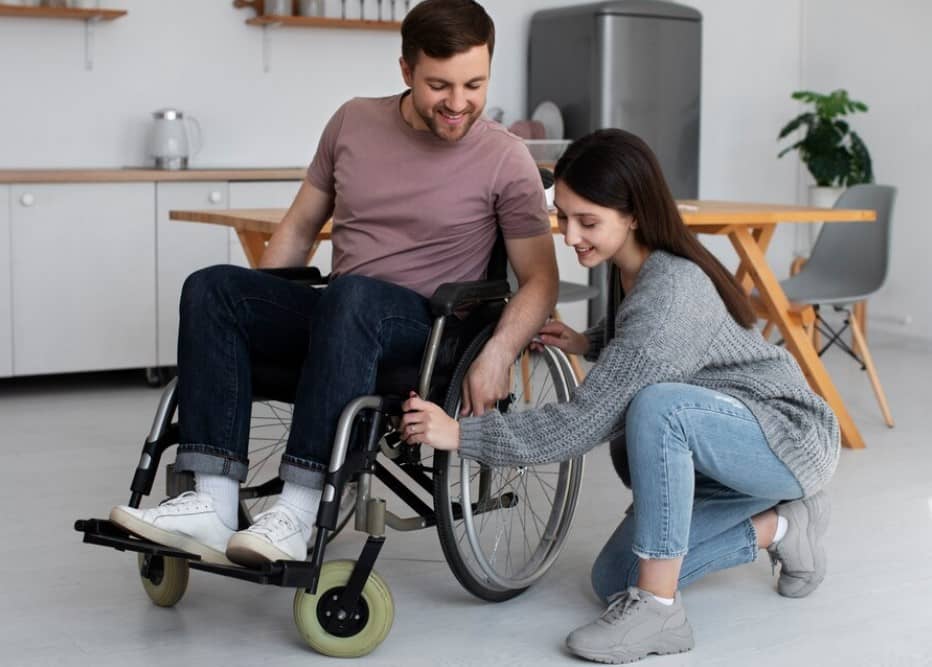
(750, 228)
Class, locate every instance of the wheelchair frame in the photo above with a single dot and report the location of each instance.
(360, 437)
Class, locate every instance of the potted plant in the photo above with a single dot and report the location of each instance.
(834, 154)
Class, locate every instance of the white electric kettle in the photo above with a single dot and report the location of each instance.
(173, 139)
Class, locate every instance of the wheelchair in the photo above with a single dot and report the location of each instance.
(500, 529)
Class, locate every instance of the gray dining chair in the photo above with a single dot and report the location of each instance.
(849, 262)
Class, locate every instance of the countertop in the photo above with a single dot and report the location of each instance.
(146, 174)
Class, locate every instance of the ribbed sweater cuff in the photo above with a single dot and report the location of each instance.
(471, 438)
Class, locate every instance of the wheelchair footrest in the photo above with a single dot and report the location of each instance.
(105, 533)
(288, 574)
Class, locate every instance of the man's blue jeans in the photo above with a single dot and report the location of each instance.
(700, 469)
(333, 338)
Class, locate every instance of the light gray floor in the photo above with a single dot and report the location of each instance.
(69, 446)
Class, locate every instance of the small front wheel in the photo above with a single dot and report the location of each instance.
(164, 579)
(361, 630)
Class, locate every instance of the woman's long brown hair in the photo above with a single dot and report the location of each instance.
(616, 169)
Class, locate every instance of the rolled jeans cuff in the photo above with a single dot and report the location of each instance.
(302, 472)
(209, 460)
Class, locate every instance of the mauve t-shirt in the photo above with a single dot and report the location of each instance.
(418, 211)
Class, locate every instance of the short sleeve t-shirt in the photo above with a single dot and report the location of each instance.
(416, 210)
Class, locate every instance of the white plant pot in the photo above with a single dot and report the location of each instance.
(824, 197)
(806, 234)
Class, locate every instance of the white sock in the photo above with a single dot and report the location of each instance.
(782, 525)
(224, 491)
(668, 602)
(303, 501)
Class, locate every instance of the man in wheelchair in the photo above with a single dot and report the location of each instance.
(419, 186)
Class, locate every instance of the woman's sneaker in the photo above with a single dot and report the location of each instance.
(187, 522)
(801, 553)
(274, 535)
(634, 626)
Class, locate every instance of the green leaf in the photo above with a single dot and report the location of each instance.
(861, 170)
(791, 127)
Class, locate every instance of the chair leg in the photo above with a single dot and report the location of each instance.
(526, 376)
(871, 370)
(859, 314)
(768, 329)
(577, 367)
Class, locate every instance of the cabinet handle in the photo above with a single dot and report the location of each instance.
(214, 197)
(27, 199)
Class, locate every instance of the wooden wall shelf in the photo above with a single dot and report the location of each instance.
(61, 13)
(324, 22)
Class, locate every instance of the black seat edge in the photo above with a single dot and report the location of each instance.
(304, 274)
(450, 296)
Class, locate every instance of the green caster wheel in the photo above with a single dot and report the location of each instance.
(167, 578)
(362, 630)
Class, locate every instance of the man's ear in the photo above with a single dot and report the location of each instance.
(406, 72)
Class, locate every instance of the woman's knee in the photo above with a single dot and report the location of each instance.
(651, 412)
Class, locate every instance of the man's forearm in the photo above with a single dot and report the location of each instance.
(524, 315)
(285, 249)
(293, 239)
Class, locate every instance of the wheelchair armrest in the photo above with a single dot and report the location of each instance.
(450, 296)
(309, 275)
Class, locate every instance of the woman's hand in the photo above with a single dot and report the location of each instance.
(557, 334)
(426, 423)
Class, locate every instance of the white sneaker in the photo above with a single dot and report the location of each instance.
(275, 535)
(188, 522)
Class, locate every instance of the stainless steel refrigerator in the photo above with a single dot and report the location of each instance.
(631, 64)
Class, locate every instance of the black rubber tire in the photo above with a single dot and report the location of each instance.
(458, 552)
(443, 506)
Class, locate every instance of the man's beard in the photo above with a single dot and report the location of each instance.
(438, 129)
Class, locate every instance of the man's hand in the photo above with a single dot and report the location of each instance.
(426, 423)
(487, 381)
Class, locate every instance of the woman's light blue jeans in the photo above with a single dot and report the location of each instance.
(700, 469)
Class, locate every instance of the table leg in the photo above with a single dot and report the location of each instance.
(797, 341)
(762, 236)
(253, 245)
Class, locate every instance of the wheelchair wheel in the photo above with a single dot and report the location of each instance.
(363, 629)
(502, 528)
(268, 436)
(166, 579)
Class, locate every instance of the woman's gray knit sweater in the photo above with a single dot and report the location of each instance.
(672, 327)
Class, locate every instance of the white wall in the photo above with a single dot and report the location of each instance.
(880, 54)
(200, 56)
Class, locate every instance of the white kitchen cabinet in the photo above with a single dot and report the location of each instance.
(183, 248)
(269, 194)
(6, 295)
(83, 277)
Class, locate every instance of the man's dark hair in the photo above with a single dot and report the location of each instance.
(445, 28)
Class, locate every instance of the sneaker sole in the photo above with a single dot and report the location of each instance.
(680, 642)
(818, 513)
(167, 538)
(254, 552)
